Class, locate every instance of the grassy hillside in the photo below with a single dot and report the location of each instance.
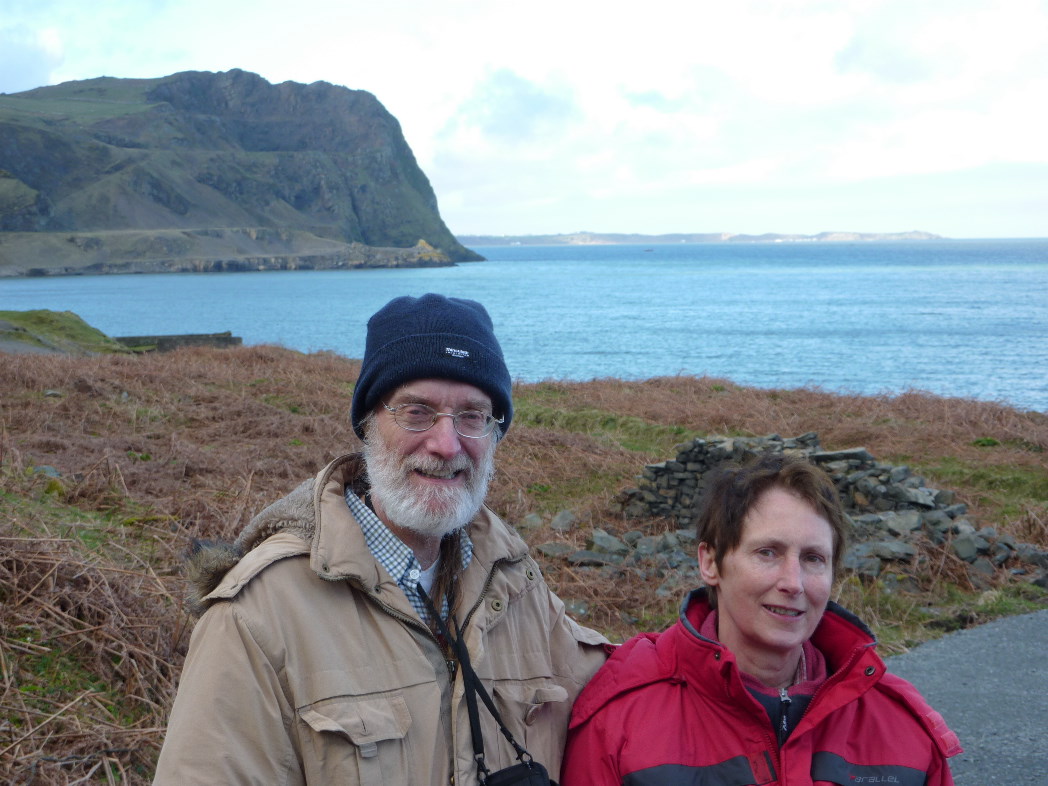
(215, 155)
(110, 464)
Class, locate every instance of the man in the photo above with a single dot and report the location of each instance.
(316, 659)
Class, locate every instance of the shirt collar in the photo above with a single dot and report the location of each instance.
(392, 553)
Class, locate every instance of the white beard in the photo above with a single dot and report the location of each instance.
(430, 511)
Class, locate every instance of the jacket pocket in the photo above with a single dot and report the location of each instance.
(535, 712)
(374, 728)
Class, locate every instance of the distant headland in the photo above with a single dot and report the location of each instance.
(201, 172)
(611, 238)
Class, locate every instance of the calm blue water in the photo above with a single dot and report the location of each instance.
(961, 318)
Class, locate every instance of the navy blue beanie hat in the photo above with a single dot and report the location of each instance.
(431, 337)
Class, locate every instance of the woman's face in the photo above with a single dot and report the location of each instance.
(772, 590)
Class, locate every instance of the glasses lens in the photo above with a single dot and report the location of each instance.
(414, 417)
(472, 423)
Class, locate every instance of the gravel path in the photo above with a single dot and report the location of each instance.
(991, 685)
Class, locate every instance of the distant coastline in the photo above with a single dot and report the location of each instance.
(611, 238)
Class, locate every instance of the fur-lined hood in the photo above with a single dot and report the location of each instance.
(313, 520)
(209, 562)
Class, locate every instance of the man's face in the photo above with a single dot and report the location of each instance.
(433, 481)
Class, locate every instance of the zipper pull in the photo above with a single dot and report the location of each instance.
(784, 707)
(452, 666)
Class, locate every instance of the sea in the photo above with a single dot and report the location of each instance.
(958, 318)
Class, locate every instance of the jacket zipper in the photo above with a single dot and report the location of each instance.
(845, 667)
(785, 699)
(487, 585)
(784, 710)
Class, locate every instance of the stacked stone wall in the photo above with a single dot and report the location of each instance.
(891, 508)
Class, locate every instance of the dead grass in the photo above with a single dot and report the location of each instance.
(147, 452)
(915, 428)
(88, 637)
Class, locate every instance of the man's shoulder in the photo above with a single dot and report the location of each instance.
(218, 570)
(495, 540)
(273, 549)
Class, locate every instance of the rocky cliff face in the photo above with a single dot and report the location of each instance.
(204, 151)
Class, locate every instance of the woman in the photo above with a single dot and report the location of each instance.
(762, 680)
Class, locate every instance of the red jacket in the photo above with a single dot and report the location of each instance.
(671, 708)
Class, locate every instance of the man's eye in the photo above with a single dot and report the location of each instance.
(415, 414)
(414, 410)
(472, 418)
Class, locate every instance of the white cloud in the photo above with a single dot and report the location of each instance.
(28, 57)
(615, 115)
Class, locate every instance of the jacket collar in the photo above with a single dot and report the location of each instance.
(846, 643)
(838, 636)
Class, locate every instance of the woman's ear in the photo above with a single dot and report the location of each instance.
(708, 565)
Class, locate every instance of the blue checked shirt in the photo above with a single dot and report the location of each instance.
(398, 560)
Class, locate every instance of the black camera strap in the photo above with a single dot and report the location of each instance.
(472, 688)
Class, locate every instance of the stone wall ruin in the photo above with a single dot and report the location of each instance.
(892, 509)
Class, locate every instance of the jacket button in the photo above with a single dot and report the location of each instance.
(870, 671)
(497, 604)
(530, 573)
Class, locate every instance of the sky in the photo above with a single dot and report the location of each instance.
(559, 116)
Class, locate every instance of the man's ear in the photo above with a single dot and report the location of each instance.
(708, 565)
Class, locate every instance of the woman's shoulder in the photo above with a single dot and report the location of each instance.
(633, 665)
(903, 692)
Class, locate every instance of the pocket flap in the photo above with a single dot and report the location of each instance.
(526, 693)
(363, 720)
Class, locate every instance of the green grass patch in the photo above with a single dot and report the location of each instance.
(89, 100)
(563, 494)
(282, 402)
(149, 415)
(1013, 488)
(657, 616)
(49, 675)
(542, 393)
(903, 619)
(630, 433)
(60, 330)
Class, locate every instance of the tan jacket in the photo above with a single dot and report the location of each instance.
(310, 665)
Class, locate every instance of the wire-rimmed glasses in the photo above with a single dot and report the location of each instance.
(469, 423)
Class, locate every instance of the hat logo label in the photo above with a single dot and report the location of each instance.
(456, 353)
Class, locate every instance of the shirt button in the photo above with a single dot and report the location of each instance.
(414, 573)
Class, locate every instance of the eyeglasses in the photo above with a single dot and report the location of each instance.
(470, 423)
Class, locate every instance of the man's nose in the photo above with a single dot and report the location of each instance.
(442, 439)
